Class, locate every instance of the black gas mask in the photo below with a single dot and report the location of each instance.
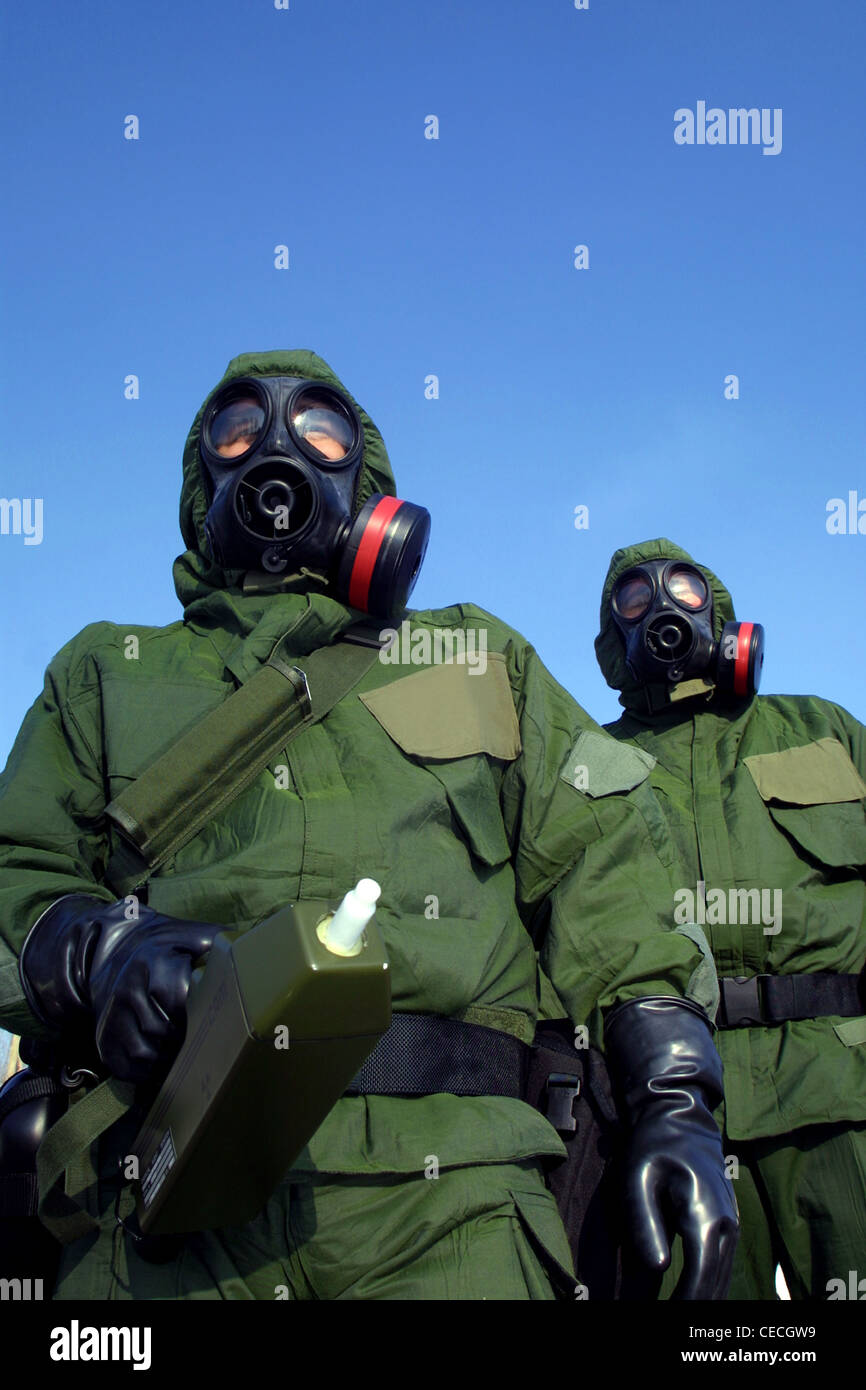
(664, 610)
(281, 459)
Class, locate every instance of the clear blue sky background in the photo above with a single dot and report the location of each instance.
(410, 256)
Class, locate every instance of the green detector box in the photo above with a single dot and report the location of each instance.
(277, 1028)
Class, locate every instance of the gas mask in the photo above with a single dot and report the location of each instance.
(281, 458)
(664, 610)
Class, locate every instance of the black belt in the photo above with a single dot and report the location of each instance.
(422, 1054)
(760, 1000)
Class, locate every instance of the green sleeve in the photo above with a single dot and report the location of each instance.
(594, 874)
(547, 821)
(52, 828)
(611, 935)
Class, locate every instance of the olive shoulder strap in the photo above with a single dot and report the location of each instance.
(212, 763)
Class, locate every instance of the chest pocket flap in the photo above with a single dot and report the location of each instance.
(444, 717)
(813, 775)
(815, 794)
(450, 711)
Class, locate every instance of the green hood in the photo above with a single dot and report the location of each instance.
(609, 647)
(195, 574)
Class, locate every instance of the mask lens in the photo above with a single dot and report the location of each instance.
(323, 425)
(687, 587)
(236, 427)
(631, 597)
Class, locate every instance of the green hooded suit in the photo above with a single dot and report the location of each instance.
(513, 825)
(764, 801)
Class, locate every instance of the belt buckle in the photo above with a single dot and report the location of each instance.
(742, 1001)
(563, 1089)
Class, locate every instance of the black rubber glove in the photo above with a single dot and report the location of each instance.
(668, 1075)
(97, 976)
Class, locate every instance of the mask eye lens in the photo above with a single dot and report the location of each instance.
(236, 427)
(631, 597)
(323, 425)
(687, 587)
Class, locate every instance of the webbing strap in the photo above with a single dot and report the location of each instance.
(756, 1001)
(422, 1054)
(816, 995)
(72, 1213)
(170, 802)
(32, 1086)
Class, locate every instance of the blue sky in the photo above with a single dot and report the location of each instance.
(410, 257)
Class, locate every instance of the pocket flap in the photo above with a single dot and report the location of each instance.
(814, 775)
(599, 765)
(450, 711)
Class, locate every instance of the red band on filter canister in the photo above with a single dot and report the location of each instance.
(741, 664)
(368, 551)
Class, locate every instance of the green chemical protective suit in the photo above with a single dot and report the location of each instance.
(457, 788)
(766, 795)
